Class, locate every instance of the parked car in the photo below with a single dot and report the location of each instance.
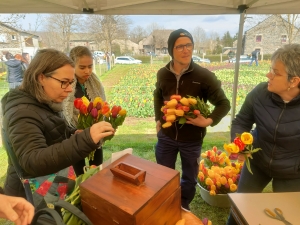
(243, 59)
(199, 59)
(98, 54)
(127, 60)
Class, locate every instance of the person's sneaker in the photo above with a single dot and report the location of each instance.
(186, 207)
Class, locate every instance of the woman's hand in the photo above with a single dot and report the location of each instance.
(199, 121)
(101, 130)
(16, 209)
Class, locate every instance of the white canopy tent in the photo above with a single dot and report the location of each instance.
(159, 7)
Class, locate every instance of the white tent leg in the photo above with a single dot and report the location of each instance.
(237, 62)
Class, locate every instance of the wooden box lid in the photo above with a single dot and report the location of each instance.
(108, 193)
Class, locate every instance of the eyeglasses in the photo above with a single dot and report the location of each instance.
(273, 73)
(64, 84)
(188, 46)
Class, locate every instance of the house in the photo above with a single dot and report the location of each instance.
(17, 41)
(268, 35)
(156, 42)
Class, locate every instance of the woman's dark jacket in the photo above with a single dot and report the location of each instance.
(14, 70)
(277, 131)
(40, 138)
(196, 81)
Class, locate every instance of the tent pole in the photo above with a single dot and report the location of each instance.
(242, 9)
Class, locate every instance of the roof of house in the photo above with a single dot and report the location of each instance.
(17, 30)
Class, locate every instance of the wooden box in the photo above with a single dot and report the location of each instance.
(114, 200)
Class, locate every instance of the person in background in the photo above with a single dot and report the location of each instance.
(254, 57)
(274, 106)
(86, 84)
(34, 126)
(14, 71)
(23, 61)
(107, 58)
(183, 77)
(16, 209)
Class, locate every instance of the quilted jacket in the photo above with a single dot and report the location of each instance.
(40, 138)
(277, 131)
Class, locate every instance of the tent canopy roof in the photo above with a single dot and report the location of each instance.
(150, 7)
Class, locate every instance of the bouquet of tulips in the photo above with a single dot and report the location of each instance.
(217, 173)
(96, 111)
(242, 144)
(178, 108)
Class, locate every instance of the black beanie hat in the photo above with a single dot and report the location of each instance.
(174, 36)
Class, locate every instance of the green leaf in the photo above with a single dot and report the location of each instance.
(255, 150)
(248, 165)
(182, 120)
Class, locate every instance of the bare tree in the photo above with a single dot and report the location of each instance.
(291, 24)
(137, 34)
(108, 28)
(59, 28)
(199, 37)
(12, 20)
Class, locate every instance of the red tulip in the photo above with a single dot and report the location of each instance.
(77, 103)
(94, 113)
(83, 109)
(90, 107)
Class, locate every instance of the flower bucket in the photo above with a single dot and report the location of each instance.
(219, 200)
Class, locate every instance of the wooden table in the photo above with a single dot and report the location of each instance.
(248, 209)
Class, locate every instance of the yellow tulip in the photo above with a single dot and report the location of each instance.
(212, 192)
(184, 101)
(85, 101)
(192, 101)
(211, 174)
(172, 103)
(170, 118)
(213, 187)
(122, 112)
(247, 138)
(233, 187)
(223, 180)
(170, 111)
(203, 155)
(231, 148)
(179, 112)
(96, 100)
(208, 181)
(167, 124)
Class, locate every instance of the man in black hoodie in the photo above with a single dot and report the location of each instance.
(183, 77)
(14, 71)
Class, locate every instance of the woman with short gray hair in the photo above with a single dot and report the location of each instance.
(274, 107)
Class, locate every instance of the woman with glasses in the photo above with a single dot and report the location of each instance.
(274, 107)
(86, 84)
(33, 125)
(183, 77)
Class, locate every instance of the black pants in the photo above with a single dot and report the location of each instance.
(98, 160)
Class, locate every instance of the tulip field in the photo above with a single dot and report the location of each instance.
(135, 89)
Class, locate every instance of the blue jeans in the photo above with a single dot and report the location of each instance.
(258, 181)
(14, 85)
(254, 59)
(166, 154)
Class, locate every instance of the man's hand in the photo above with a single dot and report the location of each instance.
(158, 126)
(16, 209)
(199, 121)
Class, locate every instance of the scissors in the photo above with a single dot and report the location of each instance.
(278, 215)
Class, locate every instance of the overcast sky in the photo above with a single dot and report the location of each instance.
(211, 23)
